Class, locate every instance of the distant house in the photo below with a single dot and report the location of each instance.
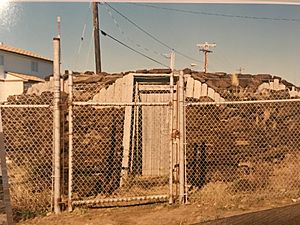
(15, 84)
(24, 62)
(19, 69)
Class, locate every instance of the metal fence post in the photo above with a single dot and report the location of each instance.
(70, 178)
(185, 145)
(176, 139)
(56, 120)
(181, 139)
(171, 136)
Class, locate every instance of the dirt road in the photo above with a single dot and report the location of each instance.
(162, 214)
(289, 215)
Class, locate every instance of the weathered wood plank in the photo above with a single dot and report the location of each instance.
(110, 93)
(127, 93)
(217, 97)
(118, 90)
(197, 89)
(155, 130)
(190, 87)
(211, 93)
(204, 89)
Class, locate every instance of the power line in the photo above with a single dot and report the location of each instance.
(150, 35)
(217, 14)
(127, 37)
(132, 49)
(76, 55)
(89, 49)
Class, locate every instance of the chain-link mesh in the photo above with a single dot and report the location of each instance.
(240, 153)
(86, 91)
(119, 152)
(97, 149)
(28, 138)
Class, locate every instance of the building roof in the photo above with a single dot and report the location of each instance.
(19, 51)
(26, 77)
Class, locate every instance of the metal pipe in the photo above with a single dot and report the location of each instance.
(137, 99)
(70, 178)
(24, 106)
(176, 142)
(171, 128)
(181, 138)
(112, 200)
(185, 143)
(56, 121)
(171, 148)
(123, 104)
(243, 102)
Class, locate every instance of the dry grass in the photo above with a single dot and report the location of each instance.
(270, 185)
(30, 195)
(286, 177)
(213, 194)
(258, 179)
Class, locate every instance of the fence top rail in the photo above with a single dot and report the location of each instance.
(241, 102)
(122, 104)
(25, 106)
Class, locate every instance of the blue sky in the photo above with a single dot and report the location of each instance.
(259, 46)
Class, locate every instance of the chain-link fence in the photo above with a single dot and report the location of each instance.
(242, 152)
(115, 161)
(123, 141)
(28, 141)
(120, 147)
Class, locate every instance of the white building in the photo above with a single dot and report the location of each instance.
(24, 62)
(19, 69)
(15, 84)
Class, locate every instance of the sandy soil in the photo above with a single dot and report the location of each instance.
(163, 214)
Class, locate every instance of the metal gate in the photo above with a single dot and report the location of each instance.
(119, 145)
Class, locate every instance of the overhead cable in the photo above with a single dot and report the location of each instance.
(132, 49)
(150, 35)
(126, 36)
(217, 14)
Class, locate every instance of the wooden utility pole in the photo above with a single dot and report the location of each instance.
(205, 48)
(96, 37)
